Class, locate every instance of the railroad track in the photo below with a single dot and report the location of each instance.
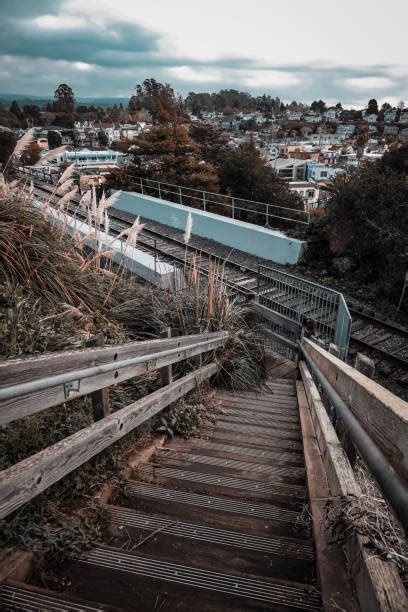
(241, 279)
(370, 334)
(387, 339)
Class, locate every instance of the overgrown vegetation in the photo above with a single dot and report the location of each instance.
(364, 230)
(370, 516)
(54, 295)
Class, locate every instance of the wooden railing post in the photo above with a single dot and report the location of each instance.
(100, 398)
(166, 373)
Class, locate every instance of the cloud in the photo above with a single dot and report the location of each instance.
(367, 83)
(101, 51)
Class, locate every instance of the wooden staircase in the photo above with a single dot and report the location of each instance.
(212, 523)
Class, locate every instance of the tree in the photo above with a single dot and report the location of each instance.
(54, 139)
(244, 174)
(372, 107)
(318, 106)
(16, 111)
(102, 139)
(212, 140)
(64, 99)
(31, 155)
(7, 144)
(155, 97)
(367, 220)
(363, 136)
(396, 160)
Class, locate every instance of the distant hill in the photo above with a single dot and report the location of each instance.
(6, 99)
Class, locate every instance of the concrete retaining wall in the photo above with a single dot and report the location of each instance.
(253, 239)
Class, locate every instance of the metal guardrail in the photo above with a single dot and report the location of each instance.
(322, 309)
(242, 209)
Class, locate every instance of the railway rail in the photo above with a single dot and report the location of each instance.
(386, 338)
(368, 333)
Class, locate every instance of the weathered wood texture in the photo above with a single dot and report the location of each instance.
(15, 371)
(100, 398)
(333, 576)
(383, 415)
(25, 480)
(378, 585)
(338, 470)
(24, 405)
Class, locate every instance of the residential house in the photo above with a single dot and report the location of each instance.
(346, 130)
(293, 115)
(312, 117)
(318, 171)
(289, 169)
(391, 130)
(404, 116)
(404, 133)
(390, 115)
(307, 191)
(331, 115)
(370, 118)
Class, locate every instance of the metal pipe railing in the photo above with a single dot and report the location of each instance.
(230, 202)
(393, 488)
(13, 391)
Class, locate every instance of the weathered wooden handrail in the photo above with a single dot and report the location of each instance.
(98, 368)
(383, 415)
(23, 481)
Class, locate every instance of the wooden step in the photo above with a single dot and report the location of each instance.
(16, 596)
(216, 511)
(286, 494)
(138, 577)
(268, 433)
(260, 421)
(236, 451)
(253, 440)
(167, 456)
(210, 547)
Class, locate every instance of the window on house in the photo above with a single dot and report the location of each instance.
(323, 174)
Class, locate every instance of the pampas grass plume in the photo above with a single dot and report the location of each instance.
(189, 227)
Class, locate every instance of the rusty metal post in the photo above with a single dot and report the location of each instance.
(99, 398)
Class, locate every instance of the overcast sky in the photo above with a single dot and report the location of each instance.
(349, 51)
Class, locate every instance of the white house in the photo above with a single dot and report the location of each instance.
(390, 115)
(293, 115)
(289, 169)
(404, 116)
(307, 191)
(370, 118)
(331, 114)
(345, 130)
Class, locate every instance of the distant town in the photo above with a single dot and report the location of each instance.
(306, 145)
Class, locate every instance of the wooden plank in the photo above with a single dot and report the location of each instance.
(383, 415)
(34, 402)
(25, 480)
(99, 398)
(166, 373)
(378, 585)
(338, 470)
(333, 576)
(15, 371)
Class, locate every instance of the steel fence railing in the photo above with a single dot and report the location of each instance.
(322, 311)
(208, 201)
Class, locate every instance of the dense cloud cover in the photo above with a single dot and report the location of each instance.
(101, 50)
